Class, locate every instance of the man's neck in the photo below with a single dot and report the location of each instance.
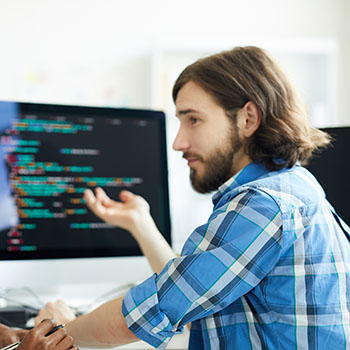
(241, 160)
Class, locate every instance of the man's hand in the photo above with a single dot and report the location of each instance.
(57, 310)
(132, 213)
(125, 214)
(36, 338)
(9, 335)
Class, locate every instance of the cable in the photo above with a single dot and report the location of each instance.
(32, 311)
(30, 291)
(28, 307)
(84, 308)
(18, 313)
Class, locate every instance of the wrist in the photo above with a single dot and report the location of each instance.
(144, 227)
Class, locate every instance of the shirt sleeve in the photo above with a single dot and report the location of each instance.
(224, 259)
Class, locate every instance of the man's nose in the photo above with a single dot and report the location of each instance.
(181, 142)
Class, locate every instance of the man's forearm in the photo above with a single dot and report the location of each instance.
(103, 327)
(153, 244)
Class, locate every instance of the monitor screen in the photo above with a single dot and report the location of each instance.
(50, 153)
(331, 168)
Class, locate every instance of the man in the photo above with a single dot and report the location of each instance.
(270, 269)
(37, 339)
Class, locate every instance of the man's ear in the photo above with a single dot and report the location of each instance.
(249, 118)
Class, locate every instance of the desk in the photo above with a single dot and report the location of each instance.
(179, 342)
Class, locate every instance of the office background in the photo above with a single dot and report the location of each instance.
(128, 53)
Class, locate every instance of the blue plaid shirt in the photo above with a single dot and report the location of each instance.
(269, 270)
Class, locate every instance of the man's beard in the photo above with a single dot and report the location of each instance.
(218, 166)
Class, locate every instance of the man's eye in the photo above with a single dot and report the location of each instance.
(193, 120)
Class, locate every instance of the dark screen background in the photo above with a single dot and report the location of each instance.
(331, 168)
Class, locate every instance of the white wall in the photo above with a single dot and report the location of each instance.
(77, 51)
(106, 52)
(343, 63)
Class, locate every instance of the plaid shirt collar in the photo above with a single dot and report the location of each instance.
(251, 172)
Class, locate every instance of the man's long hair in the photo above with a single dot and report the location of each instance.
(245, 74)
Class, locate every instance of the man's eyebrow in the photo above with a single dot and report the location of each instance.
(187, 111)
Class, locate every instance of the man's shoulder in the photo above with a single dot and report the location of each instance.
(288, 188)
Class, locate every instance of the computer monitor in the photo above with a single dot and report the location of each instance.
(51, 153)
(331, 168)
